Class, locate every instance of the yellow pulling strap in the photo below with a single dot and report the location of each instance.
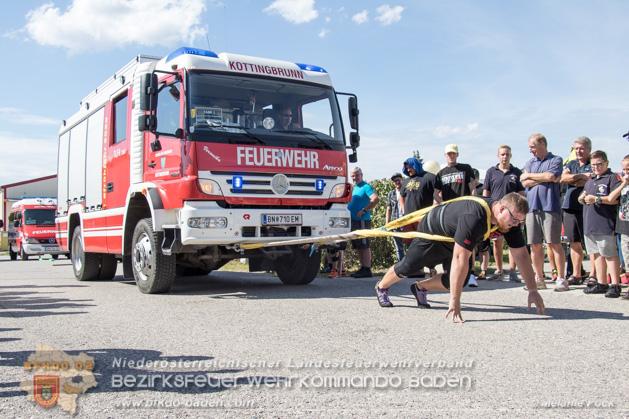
(383, 231)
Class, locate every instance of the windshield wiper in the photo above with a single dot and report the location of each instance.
(309, 134)
(250, 135)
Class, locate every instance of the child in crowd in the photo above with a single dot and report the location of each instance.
(622, 222)
(599, 216)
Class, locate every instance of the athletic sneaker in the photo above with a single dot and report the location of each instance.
(383, 296)
(420, 296)
(362, 273)
(482, 276)
(326, 269)
(613, 291)
(554, 275)
(541, 285)
(625, 296)
(513, 277)
(333, 274)
(597, 289)
(472, 282)
(496, 276)
(561, 285)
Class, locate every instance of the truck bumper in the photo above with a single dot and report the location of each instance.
(41, 249)
(246, 225)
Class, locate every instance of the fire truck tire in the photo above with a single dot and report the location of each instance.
(86, 265)
(108, 267)
(12, 254)
(23, 255)
(154, 271)
(298, 268)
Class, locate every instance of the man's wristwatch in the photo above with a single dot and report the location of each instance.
(598, 201)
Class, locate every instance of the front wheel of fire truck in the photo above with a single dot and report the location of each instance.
(85, 264)
(23, 254)
(154, 271)
(298, 268)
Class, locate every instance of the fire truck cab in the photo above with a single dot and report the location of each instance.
(31, 228)
(175, 162)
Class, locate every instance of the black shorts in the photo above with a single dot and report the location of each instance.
(573, 226)
(484, 246)
(428, 254)
(361, 225)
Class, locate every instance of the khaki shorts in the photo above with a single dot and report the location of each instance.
(542, 225)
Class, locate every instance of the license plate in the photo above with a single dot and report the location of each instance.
(281, 219)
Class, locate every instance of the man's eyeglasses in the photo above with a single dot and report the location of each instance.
(513, 219)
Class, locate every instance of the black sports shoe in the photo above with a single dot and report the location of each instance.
(613, 291)
(363, 273)
(597, 289)
(420, 296)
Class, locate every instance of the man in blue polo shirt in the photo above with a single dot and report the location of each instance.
(541, 177)
(500, 180)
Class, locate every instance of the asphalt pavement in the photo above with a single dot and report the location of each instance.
(235, 344)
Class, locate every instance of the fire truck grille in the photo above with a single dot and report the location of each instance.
(260, 184)
(267, 231)
(47, 241)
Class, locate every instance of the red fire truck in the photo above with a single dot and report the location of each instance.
(174, 163)
(32, 228)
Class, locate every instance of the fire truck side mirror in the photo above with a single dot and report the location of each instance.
(354, 140)
(353, 158)
(147, 123)
(353, 111)
(148, 89)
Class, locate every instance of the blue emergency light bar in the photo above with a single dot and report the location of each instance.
(309, 67)
(193, 51)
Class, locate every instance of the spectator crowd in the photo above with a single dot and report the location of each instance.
(577, 207)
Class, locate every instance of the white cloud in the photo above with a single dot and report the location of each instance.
(294, 11)
(41, 157)
(323, 33)
(93, 25)
(446, 131)
(361, 17)
(388, 15)
(19, 116)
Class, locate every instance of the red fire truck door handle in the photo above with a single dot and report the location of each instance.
(110, 187)
(151, 164)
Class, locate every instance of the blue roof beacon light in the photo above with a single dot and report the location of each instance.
(192, 51)
(237, 182)
(319, 184)
(309, 67)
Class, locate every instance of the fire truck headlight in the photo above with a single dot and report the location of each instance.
(338, 222)
(210, 187)
(207, 222)
(338, 191)
(31, 240)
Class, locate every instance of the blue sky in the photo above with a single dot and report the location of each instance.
(477, 73)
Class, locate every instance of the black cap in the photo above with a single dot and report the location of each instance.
(396, 175)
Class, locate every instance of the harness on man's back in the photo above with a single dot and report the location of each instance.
(418, 216)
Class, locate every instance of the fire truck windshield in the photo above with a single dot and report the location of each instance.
(270, 111)
(39, 217)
